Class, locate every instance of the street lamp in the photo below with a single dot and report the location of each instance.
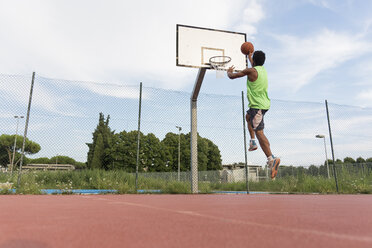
(179, 152)
(15, 144)
(320, 136)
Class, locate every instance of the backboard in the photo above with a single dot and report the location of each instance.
(195, 46)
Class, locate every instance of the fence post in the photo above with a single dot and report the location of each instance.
(139, 136)
(330, 137)
(26, 128)
(245, 147)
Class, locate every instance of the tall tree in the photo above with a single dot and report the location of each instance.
(106, 134)
(98, 155)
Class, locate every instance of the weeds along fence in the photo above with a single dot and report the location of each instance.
(65, 114)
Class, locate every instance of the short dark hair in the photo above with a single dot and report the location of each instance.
(259, 58)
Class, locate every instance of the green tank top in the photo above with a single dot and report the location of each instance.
(257, 90)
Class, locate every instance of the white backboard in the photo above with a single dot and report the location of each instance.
(195, 46)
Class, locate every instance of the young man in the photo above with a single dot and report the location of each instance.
(259, 104)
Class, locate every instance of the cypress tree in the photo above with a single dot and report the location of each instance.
(106, 134)
(98, 153)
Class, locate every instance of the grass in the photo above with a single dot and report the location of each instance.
(32, 182)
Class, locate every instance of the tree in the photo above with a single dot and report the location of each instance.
(209, 156)
(360, 160)
(202, 154)
(106, 134)
(349, 160)
(62, 160)
(170, 146)
(7, 147)
(330, 161)
(123, 152)
(98, 154)
(42, 160)
(152, 154)
(313, 170)
(214, 156)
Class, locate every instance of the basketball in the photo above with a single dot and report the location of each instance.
(247, 47)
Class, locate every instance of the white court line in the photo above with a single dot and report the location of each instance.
(366, 239)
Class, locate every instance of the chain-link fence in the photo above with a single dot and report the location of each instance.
(65, 122)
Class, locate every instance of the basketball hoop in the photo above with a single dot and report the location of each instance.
(218, 63)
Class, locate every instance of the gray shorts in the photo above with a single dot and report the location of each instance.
(256, 118)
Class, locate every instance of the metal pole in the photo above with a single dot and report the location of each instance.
(138, 137)
(15, 144)
(245, 147)
(325, 149)
(179, 152)
(194, 132)
(194, 149)
(26, 128)
(330, 137)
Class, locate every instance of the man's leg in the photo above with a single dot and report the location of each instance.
(272, 161)
(252, 143)
(264, 143)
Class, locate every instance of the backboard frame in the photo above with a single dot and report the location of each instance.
(237, 38)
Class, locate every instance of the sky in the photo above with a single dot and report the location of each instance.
(315, 50)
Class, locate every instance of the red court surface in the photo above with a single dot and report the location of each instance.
(185, 221)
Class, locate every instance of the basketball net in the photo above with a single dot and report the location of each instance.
(218, 63)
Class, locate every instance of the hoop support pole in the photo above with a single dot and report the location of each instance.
(194, 132)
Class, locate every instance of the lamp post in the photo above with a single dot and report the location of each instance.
(320, 136)
(15, 144)
(179, 152)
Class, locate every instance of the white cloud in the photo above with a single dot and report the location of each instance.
(321, 3)
(343, 125)
(253, 13)
(366, 95)
(364, 98)
(299, 60)
(115, 91)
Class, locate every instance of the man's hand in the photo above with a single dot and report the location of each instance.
(250, 58)
(230, 71)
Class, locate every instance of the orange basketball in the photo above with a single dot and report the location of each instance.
(247, 47)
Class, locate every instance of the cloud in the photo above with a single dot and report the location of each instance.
(343, 125)
(321, 3)
(299, 60)
(333, 5)
(366, 95)
(253, 13)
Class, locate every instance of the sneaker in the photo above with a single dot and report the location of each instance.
(274, 167)
(252, 145)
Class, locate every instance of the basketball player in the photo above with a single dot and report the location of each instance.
(259, 104)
